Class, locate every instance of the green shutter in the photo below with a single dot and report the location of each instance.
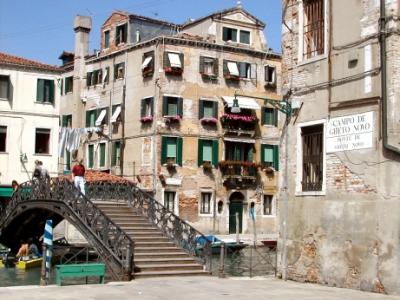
(224, 34)
(215, 109)
(40, 90)
(102, 154)
(166, 62)
(152, 106)
(182, 58)
(88, 78)
(180, 107)
(216, 67)
(179, 151)
(225, 68)
(64, 122)
(201, 64)
(165, 106)
(142, 108)
(262, 153)
(215, 153)
(51, 91)
(164, 140)
(87, 118)
(275, 114)
(62, 86)
(67, 160)
(276, 157)
(90, 156)
(200, 152)
(250, 154)
(201, 109)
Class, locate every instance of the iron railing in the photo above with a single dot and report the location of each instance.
(182, 233)
(111, 242)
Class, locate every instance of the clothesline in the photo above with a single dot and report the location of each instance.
(69, 138)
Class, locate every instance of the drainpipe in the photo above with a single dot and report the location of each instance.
(382, 42)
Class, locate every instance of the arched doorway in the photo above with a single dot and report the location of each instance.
(235, 206)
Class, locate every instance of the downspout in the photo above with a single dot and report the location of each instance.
(330, 43)
(382, 42)
(123, 116)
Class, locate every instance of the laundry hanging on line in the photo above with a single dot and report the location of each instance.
(69, 138)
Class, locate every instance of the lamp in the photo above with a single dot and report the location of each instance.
(235, 109)
(23, 158)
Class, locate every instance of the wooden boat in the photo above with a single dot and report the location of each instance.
(30, 263)
(216, 245)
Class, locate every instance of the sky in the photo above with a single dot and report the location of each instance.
(42, 29)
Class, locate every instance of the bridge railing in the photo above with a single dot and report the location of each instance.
(181, 232)
(113, 244)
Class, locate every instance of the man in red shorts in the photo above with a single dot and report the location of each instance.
(78, 176)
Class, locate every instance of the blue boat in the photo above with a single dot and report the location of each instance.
(216, 244)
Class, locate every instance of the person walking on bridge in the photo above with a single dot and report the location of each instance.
(78, 176)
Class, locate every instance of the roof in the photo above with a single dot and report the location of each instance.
(16, 61)
(220, 13)
(97, 177)
(140, 17)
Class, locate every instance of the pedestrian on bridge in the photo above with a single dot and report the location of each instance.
(78, 176)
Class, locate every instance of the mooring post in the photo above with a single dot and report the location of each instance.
(43, 281)
(237, 228)
(221, 273)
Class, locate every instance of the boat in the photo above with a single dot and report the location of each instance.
(269, 243)
(29, 263)
(230, 246)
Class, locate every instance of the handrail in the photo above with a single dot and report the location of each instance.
(181, 232)
(116, 246)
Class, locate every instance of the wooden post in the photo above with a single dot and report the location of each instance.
(237, 228)
(43, 281)
(221, 273)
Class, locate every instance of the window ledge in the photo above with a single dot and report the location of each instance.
(44, 103)
(269, 126)
(210, 215)
(4, 153)
(312, 60)
(68, 93)
(269, 216)
(311, 193)
(42, 154)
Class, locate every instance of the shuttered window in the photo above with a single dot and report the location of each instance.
(90, 156)
(208, 151)
(171, 150)
(244, 37)
(172, 106)
(270, 156)
(91, 117)
(45, 91)
(269, 116)
(116, 154)
(146, 107)
(68, 85)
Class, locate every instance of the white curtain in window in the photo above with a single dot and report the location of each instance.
(174, 60)
(233, 68)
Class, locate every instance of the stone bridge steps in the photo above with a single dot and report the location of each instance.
(155, 254)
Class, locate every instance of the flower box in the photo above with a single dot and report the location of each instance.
(232, 77)
(209, 76)
(175, 118)
(209, 121)
(241, 118)
(147, 72)
(147, 119)
(173, 71)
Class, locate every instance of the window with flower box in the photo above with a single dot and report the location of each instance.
(173, 63)
(146, 111)
(208, 112)
(208, 67)
(208, 152)
(239, 70)
(148, 64)
(270, 156)
(171, 150)
(172, 108)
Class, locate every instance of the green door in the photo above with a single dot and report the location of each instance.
(235, 207)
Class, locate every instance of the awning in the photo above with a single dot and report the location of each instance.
(115, 114)
(6, 191)
(174, 60)
(100, 118)
(146, 62)
(244, 102)
(240, 140)
(233, 68)
(105, 74)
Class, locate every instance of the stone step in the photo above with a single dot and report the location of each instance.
(170, 273)
(155, 249)
(130, 219)
(168, 267)
(151, 238)
(141, 228)
(149, 234)
(153, 244)
(154, 255)
(164, 261)
(133, 223)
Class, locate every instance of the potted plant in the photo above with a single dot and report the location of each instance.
(207, 166)
(146, 119)
(147, 72)
(209, 121)
(173, 118)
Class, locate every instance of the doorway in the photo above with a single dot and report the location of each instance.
(235, 206)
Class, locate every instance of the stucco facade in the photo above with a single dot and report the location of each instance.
(162, 101)
(341, 229)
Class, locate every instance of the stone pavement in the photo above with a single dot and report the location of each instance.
(190, 288)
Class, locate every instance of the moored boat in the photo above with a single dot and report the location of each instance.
(230, 246)
(29, 263)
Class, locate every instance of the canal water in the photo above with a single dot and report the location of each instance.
(14, 276)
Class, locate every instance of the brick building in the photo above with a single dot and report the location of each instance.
(339, 223)
(162, 94)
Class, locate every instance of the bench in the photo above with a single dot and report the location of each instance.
(80, 270)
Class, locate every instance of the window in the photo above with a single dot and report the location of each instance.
(236, 70)
(270, 75)
(66, 121)
(268, 205)
(42, 141)
(45, 91)
(173, 63)
(239, 151)
(208, 109)
(90, 156)
(69, 82)
(148, 64)
(269, 116)
(91, 117)
(270, 156)
(244, 37)
(171, 151)
(169, 200)
(205, 203)
(229, 34)
(119, 71)
(5, 87)
(94, 78)
(107, 39)
(208, 66)
(313, 28)
(102, 118)
(116, 111)
(121, 34)
(208, 152)
(312, 142)
(116, 154)
(172, 106)
(146, 110)
(102, 150)
(3, 138)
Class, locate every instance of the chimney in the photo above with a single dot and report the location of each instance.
(82, 27)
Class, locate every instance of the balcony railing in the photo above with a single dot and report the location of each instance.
(239, 124)
(238, 169)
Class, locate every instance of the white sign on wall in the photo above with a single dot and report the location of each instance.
(350, 132)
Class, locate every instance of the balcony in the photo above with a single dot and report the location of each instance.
(238, 172)
(239, 125)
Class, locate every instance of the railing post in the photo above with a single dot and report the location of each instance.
(128, 262)
(221, 273)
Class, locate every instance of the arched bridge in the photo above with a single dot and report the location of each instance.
(113, 235)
